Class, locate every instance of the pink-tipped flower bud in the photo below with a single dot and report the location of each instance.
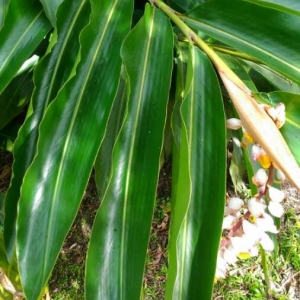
(233, 123)
(260, 178)
(255, 152)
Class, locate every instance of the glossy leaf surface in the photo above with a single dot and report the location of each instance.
(50, 8)
(55, 182)
(199, 160)
(3, 10)
(104, 158)
(49, 76)
(229, 20)
(280, 82)
(291, 6)
(25, 27)
(118, 246)
(13, 99)
(187, 5)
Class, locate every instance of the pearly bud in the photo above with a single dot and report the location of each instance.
(266, 242)
(275, 195)
(255, 152)
(235, 203)
(260, 178)
(276, 209)
(280, 110)
(255, 207)
(233, 123)
(280, 176)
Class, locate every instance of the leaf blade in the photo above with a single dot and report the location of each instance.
(122, 226)
(24, 28)
(49, 76)
(229, 22)
(190, 252)
(55, 181)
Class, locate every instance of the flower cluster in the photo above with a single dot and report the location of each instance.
(247, 222)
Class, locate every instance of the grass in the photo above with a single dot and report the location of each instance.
(245, 281)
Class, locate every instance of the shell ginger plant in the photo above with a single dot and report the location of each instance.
(102, 86)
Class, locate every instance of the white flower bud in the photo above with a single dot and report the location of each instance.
(233, 123)
(280, 175)
(280, 110)
(230, 256)
(276, 209)
(260, 178)
(251, 232)
(266, 242)
(275, 195)
(235, 203)
(266, 223)
(256, 208)
(255, 152)
(228, 222)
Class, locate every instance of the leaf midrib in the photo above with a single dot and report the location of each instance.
(68, 136)
(130, 160)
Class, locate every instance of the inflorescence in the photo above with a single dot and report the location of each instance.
(246, 223)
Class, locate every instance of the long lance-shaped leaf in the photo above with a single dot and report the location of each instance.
(103, 161)
(70, 135)
(201, 162)
(117, 251)
(291, 6)
(50, 8)
(49, 76)
(24, 28)
(245, 26)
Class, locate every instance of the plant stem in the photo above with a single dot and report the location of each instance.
(265, 268)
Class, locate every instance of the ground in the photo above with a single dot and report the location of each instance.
(246, 280)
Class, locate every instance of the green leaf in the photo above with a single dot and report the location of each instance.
(276, 79)
(3, 10)
(49, 76)
(229, 21)
(199, 183)
(8, 135)
(291, 129)
(117, 252)
(291, 6)
(70, 135)
(50, 8)
(24, 28)
(13, 99)
(104, 158)
(187, 5)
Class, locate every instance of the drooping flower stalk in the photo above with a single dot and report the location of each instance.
(254, 118)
